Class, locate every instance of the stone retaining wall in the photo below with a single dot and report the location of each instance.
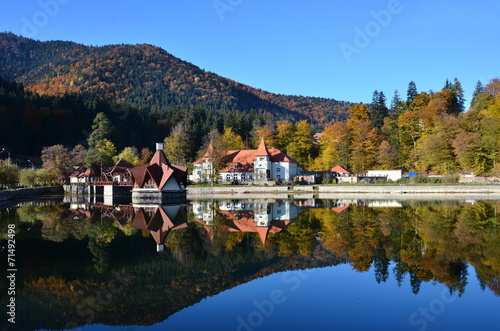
(30, 192)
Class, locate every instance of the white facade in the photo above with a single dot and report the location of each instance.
(392, 175)
(264, 170)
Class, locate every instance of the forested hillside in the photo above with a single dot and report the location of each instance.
(147, 78)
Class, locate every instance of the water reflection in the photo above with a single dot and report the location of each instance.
(73, 250)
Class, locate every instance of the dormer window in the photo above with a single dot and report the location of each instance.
(237, 166)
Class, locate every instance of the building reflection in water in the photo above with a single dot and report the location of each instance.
(158, 220)
(263, 217)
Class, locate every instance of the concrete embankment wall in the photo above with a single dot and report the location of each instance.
(30, 192)
(348, 192)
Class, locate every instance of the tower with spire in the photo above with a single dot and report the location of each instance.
(262, 164)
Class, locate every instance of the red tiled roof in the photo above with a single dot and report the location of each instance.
(244, 159)
(210, 150)
(340, 169)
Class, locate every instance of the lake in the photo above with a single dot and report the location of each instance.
(260, 264)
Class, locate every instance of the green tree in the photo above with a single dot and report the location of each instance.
(378, 109)
(101, 150)
(27, 177)
(101, 129)
(479, 89)
(9, 174)
(411, 93)
(101, 154)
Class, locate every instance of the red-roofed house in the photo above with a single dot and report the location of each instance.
(340, 171)
(158, 176)
(261, 164)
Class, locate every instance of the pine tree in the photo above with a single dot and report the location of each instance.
(477, 91)
(378, 109)
(456, 102)
(397, 105)
(411, 93)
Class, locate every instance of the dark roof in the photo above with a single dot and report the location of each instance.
(160, 171)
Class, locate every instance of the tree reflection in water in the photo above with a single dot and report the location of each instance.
(212, 245)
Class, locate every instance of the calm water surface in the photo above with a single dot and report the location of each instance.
(255, 265)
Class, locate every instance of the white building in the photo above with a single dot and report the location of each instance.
(261, 164)
(392, 175)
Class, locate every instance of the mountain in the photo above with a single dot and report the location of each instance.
(145, 77)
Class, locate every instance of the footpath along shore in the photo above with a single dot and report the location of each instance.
(396, 192)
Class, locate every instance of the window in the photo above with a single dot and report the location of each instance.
(278, 170)
(242, 177)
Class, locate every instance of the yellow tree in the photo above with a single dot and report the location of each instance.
(363, 139)
(178, 145)
(231, 140)
(266, 132)
(363, 147)
(300, 146)
(334, 147)
(130, 154)
(284, 133)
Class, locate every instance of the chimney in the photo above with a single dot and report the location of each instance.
(159, 146)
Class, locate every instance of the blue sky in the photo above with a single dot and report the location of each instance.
(327, 48)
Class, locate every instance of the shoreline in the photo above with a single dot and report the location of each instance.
(391, 192)
(29, 193)
(335, 192)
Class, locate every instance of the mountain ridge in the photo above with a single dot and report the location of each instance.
(146, 77)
